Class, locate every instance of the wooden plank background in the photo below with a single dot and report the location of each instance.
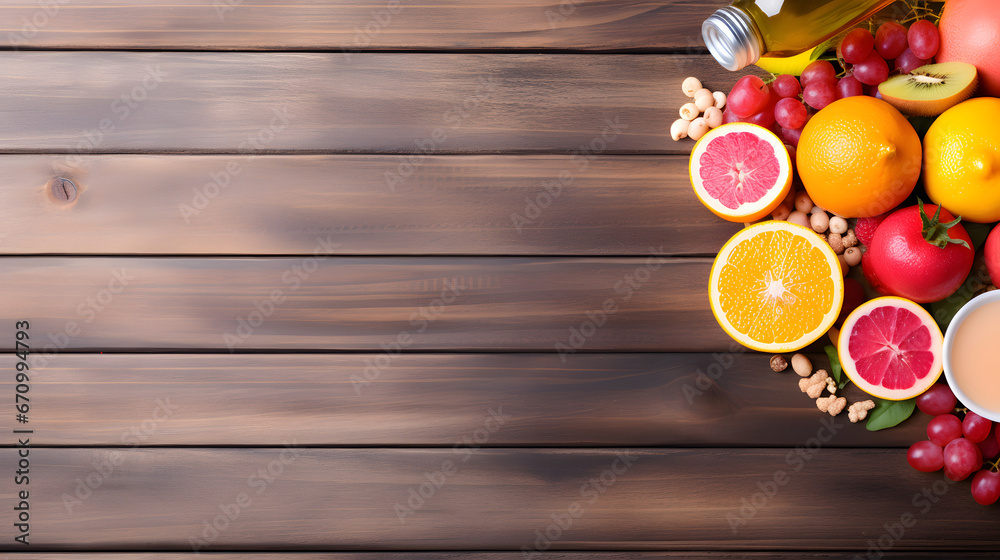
(629, 25)
(244, 103)
(458, 205)
(410, 149)
(465, 555)
(353, 303)
(680, 399)
(496, 499)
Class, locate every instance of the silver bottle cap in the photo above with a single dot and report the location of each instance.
(732, 38)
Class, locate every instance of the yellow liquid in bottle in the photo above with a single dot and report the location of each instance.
(790, 27)
(974, 365)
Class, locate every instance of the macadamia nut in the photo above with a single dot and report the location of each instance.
(679, 129)
(690, 86)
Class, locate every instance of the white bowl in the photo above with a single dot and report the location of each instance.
(949, 339)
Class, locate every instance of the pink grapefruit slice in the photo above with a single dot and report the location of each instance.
(740, 171)
(891, 348)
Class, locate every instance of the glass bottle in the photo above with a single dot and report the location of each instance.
(738, 35)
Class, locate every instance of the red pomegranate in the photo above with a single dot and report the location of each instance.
(917, 256)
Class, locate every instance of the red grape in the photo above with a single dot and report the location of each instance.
(937, 400)
(856, 45)
(790, 136)
(729, 117)
(924, 39)
(908, 62)
(786, 85)
(990, 446)
(961, 458)
(790, 113)
(975, 428)
(872, 70)
(764, 118)
(944, 428)
(819, 94)
(925, 456)
(986, 487)
(772, 101)
(890, 39)
(849, 86)
(818, 71)
(749, 96)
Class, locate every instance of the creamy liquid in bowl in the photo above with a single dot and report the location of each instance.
(975, 356)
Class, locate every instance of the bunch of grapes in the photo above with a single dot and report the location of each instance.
(784, 105)
(776, 106)
(959, 446)
(870, 60)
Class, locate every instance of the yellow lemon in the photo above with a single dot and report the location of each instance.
(962, 160)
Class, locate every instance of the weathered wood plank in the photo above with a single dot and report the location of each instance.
(161, 499)
(350, 303)
(414, 104)
(430, 400)
(359, 25)
(486, 205)
(575, 555)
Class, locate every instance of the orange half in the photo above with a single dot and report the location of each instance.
(776, 287)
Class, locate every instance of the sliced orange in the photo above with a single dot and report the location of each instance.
(776, 287)
(740, 171)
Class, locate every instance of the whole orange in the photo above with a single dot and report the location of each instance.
(970, 32)
(859, 157)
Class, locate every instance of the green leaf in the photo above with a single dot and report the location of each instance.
(835, 368)
(887, 414)
(978, 233)
(935, 232)
(945, 310)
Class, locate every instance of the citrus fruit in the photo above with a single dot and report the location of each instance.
(858, 157)
(969, 34)
(776, 287)
(740, 171)
(962, 160)
(891, 348)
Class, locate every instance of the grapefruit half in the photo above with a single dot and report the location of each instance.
(740, 171)
(891, 348)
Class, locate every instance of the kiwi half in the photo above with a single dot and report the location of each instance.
(930, 90)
